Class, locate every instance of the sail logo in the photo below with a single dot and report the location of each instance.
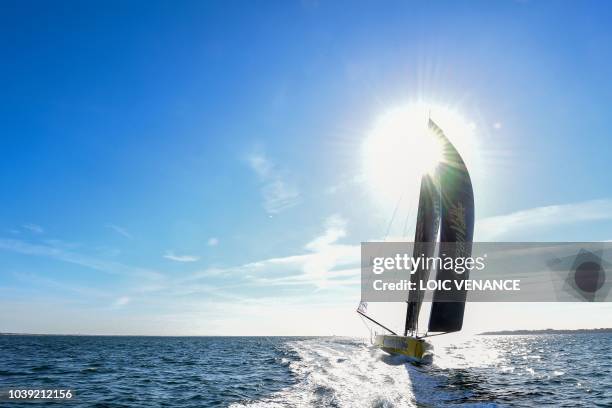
(457, 220)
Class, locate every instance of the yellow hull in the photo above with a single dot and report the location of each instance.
(418, 350)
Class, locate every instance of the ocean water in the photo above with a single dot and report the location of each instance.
(480, 371)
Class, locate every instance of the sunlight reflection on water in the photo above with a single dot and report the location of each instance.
(559, 370)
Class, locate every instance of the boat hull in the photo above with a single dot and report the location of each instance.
(416, 350)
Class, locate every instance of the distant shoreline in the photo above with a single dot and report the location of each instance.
(544, 331)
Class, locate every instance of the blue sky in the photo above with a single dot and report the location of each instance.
(196, 167)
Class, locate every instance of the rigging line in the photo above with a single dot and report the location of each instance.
(367, 327)
(405, 229)
(374, 321)
(408, 217)
(394, 214)
(365, 324)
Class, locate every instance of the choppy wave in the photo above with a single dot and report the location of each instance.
(482, 371)
(341, 373)
(476, 372)
(346, 372)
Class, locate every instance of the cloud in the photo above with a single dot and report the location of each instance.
(335, 229)
(299, 280)
(260, 165)
(122, 301)
(120, 230)
(344, 183)
(180, 258)
(526, 221)
(278, 194)
(327, 254)
(32, 279)
(58, 252)
(323, 263)
(37, 229)
(213, 241)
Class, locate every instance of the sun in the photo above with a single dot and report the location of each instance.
(400, 149)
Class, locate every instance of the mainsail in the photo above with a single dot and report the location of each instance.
(456, 234)
(426, 233)
(446, 205)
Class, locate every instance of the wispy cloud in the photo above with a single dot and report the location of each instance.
(271, 288)
(335, 228)
(120, 230)
(213, 241)
(59, 253)
(37, 229)
(323, 262)
(122, 301)
(32, 279)
(521, 222)
(180, 258)
(278, 194)
(345, 182)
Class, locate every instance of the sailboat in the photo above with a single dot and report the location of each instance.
(445, 210)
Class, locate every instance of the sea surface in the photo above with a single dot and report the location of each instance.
(481, 371)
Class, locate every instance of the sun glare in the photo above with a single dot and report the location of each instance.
(400, 148)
